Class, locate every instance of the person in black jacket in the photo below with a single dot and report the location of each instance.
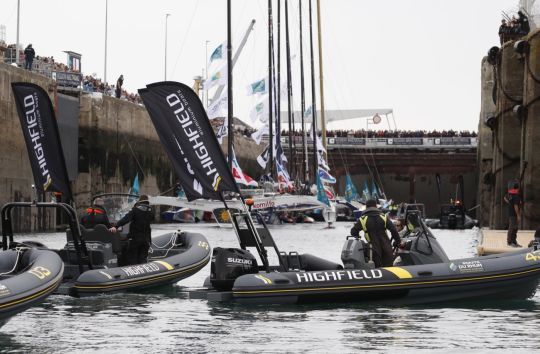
(29, 54)
(95, 215)
(140, 217)
(374, 224)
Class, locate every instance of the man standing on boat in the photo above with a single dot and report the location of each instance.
(514, 214)
(374, 224)
(140, 216)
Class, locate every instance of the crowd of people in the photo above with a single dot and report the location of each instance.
(362, 133)
(512, 27)
(94, 84)
(46, 65)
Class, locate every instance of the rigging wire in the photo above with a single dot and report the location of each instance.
(185, 37)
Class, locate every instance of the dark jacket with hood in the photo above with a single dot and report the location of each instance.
(140, 216)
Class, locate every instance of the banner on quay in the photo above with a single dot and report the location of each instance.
(42, 139)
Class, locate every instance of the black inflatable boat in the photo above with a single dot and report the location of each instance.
(27, 276)
(90, 257)
(422, 273)
(172, 257)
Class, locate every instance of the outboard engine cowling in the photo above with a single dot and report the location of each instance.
(228, 264)
(355, 254)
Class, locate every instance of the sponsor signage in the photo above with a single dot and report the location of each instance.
(141, 269)
(467, 267)
(40, 131)
(187, 136)
(405, 141)
(4, 291)
(67, 79)
(338, 275)
(263, 205)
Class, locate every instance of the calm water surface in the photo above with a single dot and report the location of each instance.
(167, 321)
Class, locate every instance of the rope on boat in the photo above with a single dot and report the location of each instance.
(19, 251)
(171, 243)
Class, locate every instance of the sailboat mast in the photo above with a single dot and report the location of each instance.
(321, 86)
(313, 106)
(289, 87)
(270, 89)
(230, 125)
(278, 74)
(302, 99)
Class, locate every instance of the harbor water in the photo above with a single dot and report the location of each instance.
(168, 321)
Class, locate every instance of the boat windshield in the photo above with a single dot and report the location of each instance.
(117, 205)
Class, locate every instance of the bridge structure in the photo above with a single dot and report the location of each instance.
(405, 167)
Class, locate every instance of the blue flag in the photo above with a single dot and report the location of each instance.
(350, 189)
(135, 188)
(374, 193)
(365, 192)
(321, 193)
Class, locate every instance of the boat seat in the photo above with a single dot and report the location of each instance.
(293, 261)
(70, 257)
(99, 233)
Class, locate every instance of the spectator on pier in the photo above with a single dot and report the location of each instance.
(119, 84)
(29, 54)
(514, 214)
(523, 23)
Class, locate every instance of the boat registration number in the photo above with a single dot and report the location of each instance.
(533, 256)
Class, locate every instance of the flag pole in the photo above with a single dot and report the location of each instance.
(230, 115)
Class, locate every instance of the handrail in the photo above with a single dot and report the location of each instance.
(78, 240)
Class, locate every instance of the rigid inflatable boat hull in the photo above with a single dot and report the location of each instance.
(161, 270)
(43, 274)
(513, 276)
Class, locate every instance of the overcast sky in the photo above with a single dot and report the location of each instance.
(419, 57)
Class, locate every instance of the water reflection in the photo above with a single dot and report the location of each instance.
(166, 320)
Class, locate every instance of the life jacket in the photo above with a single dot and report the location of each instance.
(513, 191)
(363, 222)
(93, 211)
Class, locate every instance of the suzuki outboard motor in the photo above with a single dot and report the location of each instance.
(228, 264)
(355, 254)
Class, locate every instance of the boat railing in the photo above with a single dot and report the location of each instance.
(78, 241)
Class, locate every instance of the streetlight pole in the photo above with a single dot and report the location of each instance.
(106, 23)
(206, 73)
(17, 45)
(166, 22)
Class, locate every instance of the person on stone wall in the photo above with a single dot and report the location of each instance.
(29, 54)
(119, 84)
(514, 214)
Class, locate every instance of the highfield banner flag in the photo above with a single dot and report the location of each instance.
(185, 132)
(42, 139)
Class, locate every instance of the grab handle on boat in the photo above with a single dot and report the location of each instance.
(425, 273)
